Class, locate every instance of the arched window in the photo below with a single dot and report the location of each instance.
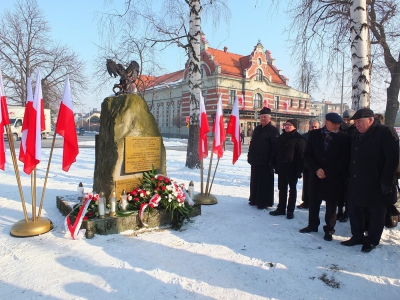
(259, 75)
(257, 100)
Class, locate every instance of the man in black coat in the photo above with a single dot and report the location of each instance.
(372, 182)
(261, 149)
(288, 164)
(313, 124)
(327, 157)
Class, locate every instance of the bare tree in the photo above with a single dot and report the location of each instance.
(307, 77)
(178, 23)
(25, 46)
(322, 26)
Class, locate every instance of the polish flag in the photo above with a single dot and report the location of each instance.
(241, 102)
(65, 127)
(234, 131)
(4, 120)
(286, 106)
(203, 130)
(28, 108)
(218, 129)
(30, 149)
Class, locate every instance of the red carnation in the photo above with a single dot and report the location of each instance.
(163, 187)
(151, 205)
(166, 180)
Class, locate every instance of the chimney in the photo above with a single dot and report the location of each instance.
(225, 49)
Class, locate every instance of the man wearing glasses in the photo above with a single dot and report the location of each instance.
(372, 181)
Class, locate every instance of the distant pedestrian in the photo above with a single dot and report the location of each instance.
(372, 178)
(327, 157)
(242, 136)
(260, 155)
(288, 163)
(312, 125)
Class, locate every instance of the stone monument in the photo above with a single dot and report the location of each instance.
(129, 142)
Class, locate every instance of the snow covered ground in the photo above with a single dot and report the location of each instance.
(231, 251)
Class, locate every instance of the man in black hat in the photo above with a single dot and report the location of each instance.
(288, 164)
(327, 157)
(261, 149)
(372, 182)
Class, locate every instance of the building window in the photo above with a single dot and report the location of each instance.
(257, 100)
(232, 97)
(291, 102)
(204, 94)
(276, 102)
(259, 75)
(202, 72)
(259, 61)
(305, 104)
(299, 103)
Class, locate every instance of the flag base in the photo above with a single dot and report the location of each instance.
(30, 228)
(205, 199)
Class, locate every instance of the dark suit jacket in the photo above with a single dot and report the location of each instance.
(334, 161)
(262, 145)
(374, 160)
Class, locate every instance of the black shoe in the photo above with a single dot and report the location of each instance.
(344, 217)
(289, 215)
(367, 248)
(308, 229)
(261, 207)
(302, 205)
(328, 236)
(277, 213)
(251, 203)
(351, 242)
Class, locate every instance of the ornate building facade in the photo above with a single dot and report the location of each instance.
(253, 79)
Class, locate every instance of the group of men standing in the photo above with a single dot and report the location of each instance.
(351, 165)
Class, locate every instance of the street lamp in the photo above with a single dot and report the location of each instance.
(341, 95)
(89, 118)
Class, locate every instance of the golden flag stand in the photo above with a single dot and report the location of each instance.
(206, 198)
(29, 226)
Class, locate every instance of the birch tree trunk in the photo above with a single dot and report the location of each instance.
(360, 56)
(192, 156)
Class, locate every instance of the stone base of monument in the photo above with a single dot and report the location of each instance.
(117, 224)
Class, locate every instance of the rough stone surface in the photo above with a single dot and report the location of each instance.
(121, 117)
(112, 225)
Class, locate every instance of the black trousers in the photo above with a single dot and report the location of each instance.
(330, 214)
(283, 182)
(305, 197)
(261, 186)
(376, 223)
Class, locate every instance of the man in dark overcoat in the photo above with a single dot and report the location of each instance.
(327, 157)
(261, 149)
(372, 182)
(288, 164)
(313, 124)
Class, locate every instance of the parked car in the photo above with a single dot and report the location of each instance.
(80, 131)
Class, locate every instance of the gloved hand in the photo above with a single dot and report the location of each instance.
(386, 189)
(298, 175)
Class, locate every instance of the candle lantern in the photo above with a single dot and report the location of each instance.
(124, 201)
(191, 189)
(113, 204)
(81, 191)
(101, 202)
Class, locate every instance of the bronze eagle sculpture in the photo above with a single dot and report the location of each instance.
(128, 75)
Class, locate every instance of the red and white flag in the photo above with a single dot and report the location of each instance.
(203, 130)
(4, 120)
(31, 148)
(266, 104)
(218, 129)
(241, 102)
(234, 131)
(27, 114)
(286, 105)
(66, 128)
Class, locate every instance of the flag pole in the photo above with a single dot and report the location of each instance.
(209, 171)
(47, 176)
(201, 177)
(215, 171)
(16, 170)
(33, 194)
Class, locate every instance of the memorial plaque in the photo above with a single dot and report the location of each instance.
(142, 153)
(126, 184)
